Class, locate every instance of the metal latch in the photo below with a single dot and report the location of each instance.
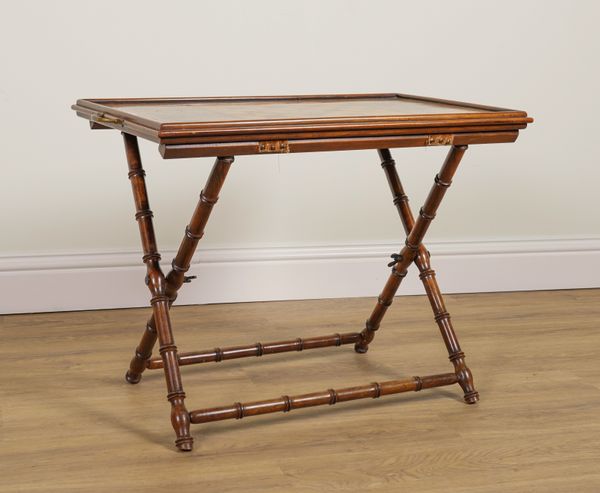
(440, 140)
(274, 146)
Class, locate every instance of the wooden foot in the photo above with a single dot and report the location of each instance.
(366, 336)
(464, 377)
(133, 378)
(185, 444)
(180, 419)
(361, 347)
(142, 354)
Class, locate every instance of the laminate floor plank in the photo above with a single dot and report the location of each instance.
(70, 423)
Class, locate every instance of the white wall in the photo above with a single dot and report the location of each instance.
(64, 188)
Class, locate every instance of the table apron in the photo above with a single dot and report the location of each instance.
(174, 151)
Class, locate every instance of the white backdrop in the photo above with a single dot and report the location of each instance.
(65, 198)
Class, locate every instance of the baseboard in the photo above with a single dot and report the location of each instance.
(43, 283)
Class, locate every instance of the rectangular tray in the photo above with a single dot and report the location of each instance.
(269, 123)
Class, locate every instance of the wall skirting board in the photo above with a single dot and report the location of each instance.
(77, 281)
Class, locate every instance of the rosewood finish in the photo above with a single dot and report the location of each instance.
(225, 127)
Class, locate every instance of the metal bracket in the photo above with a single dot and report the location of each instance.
(102, 118)
(396, 258)
(440, 140)
(273, 146)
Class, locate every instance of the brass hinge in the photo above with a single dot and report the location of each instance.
(440, 140)
(102, 118)
(274, 146)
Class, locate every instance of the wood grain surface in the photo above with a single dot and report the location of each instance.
(206, 111)
(70, 423)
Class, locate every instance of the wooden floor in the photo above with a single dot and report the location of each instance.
(70, 422)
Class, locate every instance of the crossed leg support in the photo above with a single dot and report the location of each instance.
(164, 290)
(181, 263)
(415, 251)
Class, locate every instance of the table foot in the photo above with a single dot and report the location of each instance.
(368, 333)
(142, 353)
(133, 378)
(361, 347)
(185, 444)
(180, 419)
(472, 397)
(464, 377)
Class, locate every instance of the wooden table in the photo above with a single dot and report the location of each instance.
(226, 127)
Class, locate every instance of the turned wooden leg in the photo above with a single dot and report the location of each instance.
(143, 353)
(157, 284)
(442, 318)
(181, 263)
(427, 276)
(413, 241)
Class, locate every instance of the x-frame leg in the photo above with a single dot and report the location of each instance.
(164, 291)
(164, 288)
(415, 251)
(181, 263)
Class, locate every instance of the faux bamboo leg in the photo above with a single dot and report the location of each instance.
(181, 263)
(408, 253)
(156, 281)
(195, 229)
(427, 276)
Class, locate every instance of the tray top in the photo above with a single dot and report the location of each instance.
(293, 109)
(182, 121)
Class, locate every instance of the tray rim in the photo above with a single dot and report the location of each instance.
(94, 108)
